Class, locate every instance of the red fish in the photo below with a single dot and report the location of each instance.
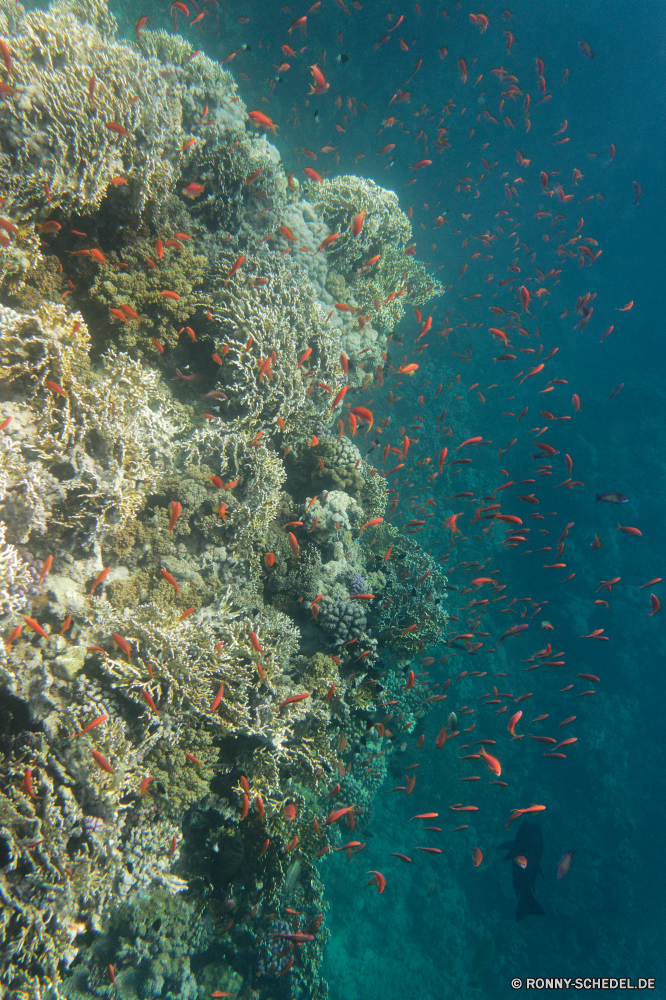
(655, 605)
(102, 762)
(512, 630)
(378, 880)
(118, 129)
(293, 699)
(236, 267)
(513, 721)
(516, 813)
(263, 121)
(357, 224)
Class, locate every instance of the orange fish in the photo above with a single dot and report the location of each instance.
(263, 121)
(102, 576)
(36, 627)
(516, 813)
(45, 568)
(340, 396)
(237, 265)
(102, 762)
(255, 642)
(319, 84)
(337, 813)
(6, 55)
(512, 722)
(357, 224)
(625, 529)
(363, 414)
(118, 129)
(327, 242)
(655, 605)
(491, 762)
(169, 579)
(378, 880)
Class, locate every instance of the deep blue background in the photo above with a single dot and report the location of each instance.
(606, 799)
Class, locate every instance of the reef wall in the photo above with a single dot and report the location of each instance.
(205, 606)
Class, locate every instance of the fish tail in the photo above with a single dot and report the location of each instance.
(528, 906)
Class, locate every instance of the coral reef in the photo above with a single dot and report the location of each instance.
(267, 317)
(370, 271)
(71, 78)
(102, 438)
(339, 200)
(200, 628)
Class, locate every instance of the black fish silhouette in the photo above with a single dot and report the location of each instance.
(529, 845)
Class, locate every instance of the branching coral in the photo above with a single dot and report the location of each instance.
(339, 200)
(180, 270)
(266, 312)
(69, 82)
(19, 579)
(105, 437)
(415, 616)
(382, 288)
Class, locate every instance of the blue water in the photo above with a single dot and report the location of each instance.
(605, 801)
(443, 928)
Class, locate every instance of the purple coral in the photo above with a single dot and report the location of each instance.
(357, 585)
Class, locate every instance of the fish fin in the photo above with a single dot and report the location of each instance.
(528, 906)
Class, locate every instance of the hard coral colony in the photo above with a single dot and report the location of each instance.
(204, 602)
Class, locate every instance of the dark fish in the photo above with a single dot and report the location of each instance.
(342, 58)
(512, 630)
(225, 859)
(611, 497)
(585, 50)
(529, 844)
